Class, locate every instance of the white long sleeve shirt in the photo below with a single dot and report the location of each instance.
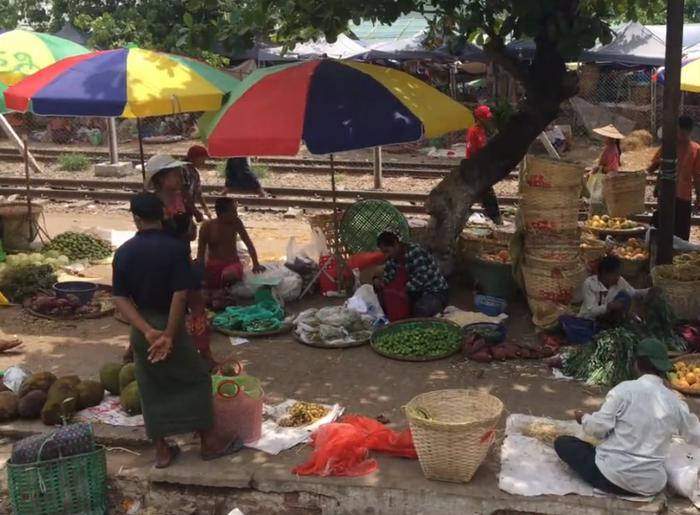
(596, 296)
(636, 424)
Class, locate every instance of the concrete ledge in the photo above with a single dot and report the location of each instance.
(122, 169)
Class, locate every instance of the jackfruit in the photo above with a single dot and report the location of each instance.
(90, 393)
(131, 399)
(127, 375)
(39, 381)
(109, 377)
(31, 404)
(8, 406)
(61, 402)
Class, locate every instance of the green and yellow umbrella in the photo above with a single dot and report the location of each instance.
(23, 53)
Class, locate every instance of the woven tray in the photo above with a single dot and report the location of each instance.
(104, 311)
(284, 328)
(321, 345)
(424, 321)
(635, 231)
(689, 359)
(367, 219)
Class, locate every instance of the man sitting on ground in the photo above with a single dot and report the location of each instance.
(217, 248)
(636, 424)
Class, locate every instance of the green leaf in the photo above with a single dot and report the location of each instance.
(187, 18)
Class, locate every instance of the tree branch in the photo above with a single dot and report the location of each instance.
(496, 49)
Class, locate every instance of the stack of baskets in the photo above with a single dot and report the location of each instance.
(553, 266)
(683, 295)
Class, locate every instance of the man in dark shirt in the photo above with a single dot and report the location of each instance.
(151, 277)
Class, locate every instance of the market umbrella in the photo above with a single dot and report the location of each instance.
(690, 74)
(127, 82)
(331, 106)
(25, 52)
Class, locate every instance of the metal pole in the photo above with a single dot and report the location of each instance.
(672, 96)
(143, 161)
(25, 154)
(112, 135)
(377, 168)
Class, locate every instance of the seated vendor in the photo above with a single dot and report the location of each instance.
(635, 425)
(413, 284)
(217, 242)
(607, 296)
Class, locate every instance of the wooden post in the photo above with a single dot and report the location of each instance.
(672, 98)
(113, 145)
(17, 142)
(377, 168)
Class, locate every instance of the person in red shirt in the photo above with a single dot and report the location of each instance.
(477, 138)
(609, 162)
(687, 177)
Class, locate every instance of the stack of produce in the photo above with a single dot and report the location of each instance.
(553, 268)
(419, 341)
(687, 258)
(79, 247)
(54, 400)
(607, 223)
(120, 379)
(19, 282)
(685, 377)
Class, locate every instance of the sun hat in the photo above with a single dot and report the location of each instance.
(483, 113)
(655, 352)
(609, 131)
(196, 151)
(159, 163)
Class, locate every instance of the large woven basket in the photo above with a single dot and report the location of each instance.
(683, 296)
(542, 219)
(566, 261)
(365, 220)
(624, 193)
(550, 197)
(593, 251)
(470, 247)
(546, 313)
(555, 284)
(453, 431)
(547, 173)
(323, 222)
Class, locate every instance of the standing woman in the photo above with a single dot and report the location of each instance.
(610, 159)
(164, 175)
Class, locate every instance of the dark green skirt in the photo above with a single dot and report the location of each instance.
(175, 393)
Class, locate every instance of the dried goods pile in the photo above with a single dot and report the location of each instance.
(303, 414)
(79, 246)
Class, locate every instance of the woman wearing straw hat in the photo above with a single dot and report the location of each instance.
(608, 163)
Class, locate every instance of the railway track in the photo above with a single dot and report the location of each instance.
(279, 198)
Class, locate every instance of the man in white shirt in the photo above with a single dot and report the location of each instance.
(636, 425)
(607, 295)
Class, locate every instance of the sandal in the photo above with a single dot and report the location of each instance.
(174, 452)
(232, 447)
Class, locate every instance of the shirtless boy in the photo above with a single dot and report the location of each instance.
(217, 243)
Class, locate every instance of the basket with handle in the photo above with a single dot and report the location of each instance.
(547, 173)
(624, 193)
(72, 484)
(323, 223)
(238, 407)
(555, 284)
(453, 431)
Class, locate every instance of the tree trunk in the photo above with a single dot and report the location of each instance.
(449, 203)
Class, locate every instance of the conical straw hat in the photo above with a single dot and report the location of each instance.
(609, 131)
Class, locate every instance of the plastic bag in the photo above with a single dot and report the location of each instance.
(594, 185)
(14, 377)
(286, 284)
(338, 316)
(366, 302)
(342, 448)
(683, 469)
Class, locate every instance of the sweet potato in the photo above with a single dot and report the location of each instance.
(524, 353)
(481, 357)
(479, 345)
(512, 350)
(499, 352)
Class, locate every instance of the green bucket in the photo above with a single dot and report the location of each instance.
(493, 279)
(74, 484)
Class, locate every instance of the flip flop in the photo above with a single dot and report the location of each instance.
(174, 452)
(233, 447)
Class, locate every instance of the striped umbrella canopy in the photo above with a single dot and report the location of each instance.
(23, 53)
(690, 74)
(126, 82)
(331, 106)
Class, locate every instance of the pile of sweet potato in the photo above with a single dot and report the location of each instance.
(478, 349)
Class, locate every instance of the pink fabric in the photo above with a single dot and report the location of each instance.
(610, 160)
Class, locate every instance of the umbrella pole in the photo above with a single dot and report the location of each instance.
(337, 258)
(25, 154)
(143, 162)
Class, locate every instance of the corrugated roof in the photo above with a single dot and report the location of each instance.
(405, 27)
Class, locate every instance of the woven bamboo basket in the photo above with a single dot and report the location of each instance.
(547, 173)
(624, 193)
(550, 219)
(546, 313)
(683, 296)
(323, 222)
(453, 431)
(555, 284)
(550, 197)
(693, 362)
(592, 251)
(569, 262)
(470, 248)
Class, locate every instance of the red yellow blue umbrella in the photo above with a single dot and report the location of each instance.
(331, 106)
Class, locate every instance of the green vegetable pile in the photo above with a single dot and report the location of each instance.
(21, 282)
(77, 246)
(607, 361)
(418, 341)
(660, 321)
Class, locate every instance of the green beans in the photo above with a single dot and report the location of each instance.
(418, 341)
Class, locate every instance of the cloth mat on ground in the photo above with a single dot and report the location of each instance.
(110, 412)
(530, 467)
(276, 438)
